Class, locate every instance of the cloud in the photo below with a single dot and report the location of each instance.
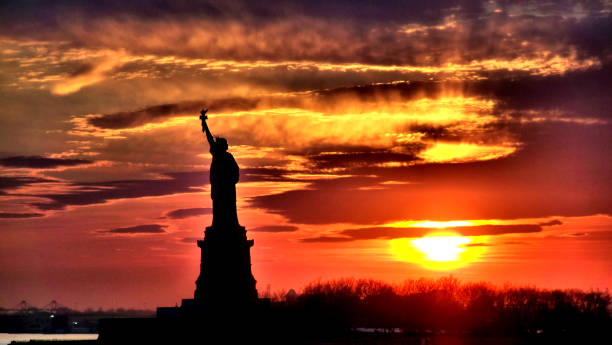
(20, 215)
(79, 194)
(515, 242)
(160, 113)
(556, 92)
(374, 118)
(353, 159)
(417, 122)
(492, 101)
(88, 75)
(551, 223)
(433, 132)
(476, 230)
(139, 229)
(476, 245)
(519, 186)
(327, 119)
(39, 162)
(604, 236)
(100, 192)
(266, 174)
(372, 233)
(190, 240)
(275, 228)
(392, 34)
(329, 101)
(300, 49)
(12, 182)
(326, 239)
(188, 212)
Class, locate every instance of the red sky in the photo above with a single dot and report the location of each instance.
(361, 131)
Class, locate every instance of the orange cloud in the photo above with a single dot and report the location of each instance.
(92, 74)
(441, 152)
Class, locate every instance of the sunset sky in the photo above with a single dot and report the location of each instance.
(376, 139)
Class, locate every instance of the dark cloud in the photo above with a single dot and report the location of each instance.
(483, 134)
(84, 69)
(20, 215)
(12, 182)
(317, 149)
(100, 192)
(604, 236)
(477, 230)
(342, 160)
(476, 245)
(175, 182)
(364, 12)
(577, 94)
(327, 99)
(331, 100)
(49, 13)
(326, 239)
(139, 229)
(551, 223)
(548, 97)
(515, 242)
(188, 212)
(433, 132)
(265, 174)
(39, 162)
(386, 92)
(559, 171)
(159, 113)
(275, 228)
(373, 233)
(344, 31)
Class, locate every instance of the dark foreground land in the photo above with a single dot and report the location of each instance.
(351, 311)
(361, 339)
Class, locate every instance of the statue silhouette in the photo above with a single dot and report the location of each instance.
(225, 265)
(224, 174)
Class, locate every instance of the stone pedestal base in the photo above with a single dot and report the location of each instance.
(225, 268)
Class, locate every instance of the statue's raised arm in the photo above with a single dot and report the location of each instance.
(209, 136)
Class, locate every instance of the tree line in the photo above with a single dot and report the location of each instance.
(448, 306)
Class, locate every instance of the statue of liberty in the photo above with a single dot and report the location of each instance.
(225, 265)
(224, 174)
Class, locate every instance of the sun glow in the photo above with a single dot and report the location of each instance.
(441, 248)
(433, 224)
(440, 225)
(440, 251)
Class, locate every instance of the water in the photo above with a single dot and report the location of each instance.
(6, 338)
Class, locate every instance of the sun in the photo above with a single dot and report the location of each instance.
(440, 251)
(441, 248)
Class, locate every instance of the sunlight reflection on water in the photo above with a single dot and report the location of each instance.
(6, 338)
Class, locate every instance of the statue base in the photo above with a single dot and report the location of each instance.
(225, 269)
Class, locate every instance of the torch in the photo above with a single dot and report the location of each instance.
(203, 116)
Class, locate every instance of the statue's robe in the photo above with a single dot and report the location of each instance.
(224, 174)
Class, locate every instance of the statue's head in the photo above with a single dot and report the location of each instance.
(221, 144)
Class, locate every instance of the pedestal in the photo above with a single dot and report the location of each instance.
(225, 268)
